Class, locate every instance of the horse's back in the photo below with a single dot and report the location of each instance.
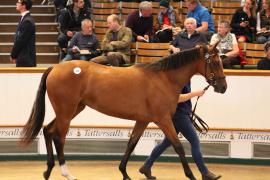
(123, 92)
(82, 78)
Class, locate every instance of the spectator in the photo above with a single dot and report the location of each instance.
(205, 23)
(188, 38)
(264, 63)
(141, 22)
(244, 22)
(116, 43)
(228, 46)
(257, 3)
(23, 52)
(165, 22)
(263, 23)
(83, 44)
(181, 118)
(70, 22)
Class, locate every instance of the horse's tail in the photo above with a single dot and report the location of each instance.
(36, 119)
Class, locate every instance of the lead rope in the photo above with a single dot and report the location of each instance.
(202, 127)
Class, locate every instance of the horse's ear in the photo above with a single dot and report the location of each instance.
(214, 46)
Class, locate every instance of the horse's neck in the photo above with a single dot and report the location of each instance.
(182, 75)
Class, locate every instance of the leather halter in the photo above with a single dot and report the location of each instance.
(201, 125)
(212, 80)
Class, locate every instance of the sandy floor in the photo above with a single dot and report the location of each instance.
(105, 170)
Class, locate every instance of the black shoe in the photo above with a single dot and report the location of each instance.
(147, 172)
(210, 176)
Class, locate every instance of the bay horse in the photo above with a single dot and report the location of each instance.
(143, 92)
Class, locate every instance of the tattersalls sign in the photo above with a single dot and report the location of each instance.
(124, 133)
(240, 144)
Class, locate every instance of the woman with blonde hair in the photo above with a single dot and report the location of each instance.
(244, 22)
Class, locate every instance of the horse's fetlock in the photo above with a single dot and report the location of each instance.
(50, 165)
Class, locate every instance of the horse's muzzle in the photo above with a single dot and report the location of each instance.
(220, 89)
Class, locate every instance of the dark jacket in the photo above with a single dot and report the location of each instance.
(140, 25)
(68, 22)
(183, 42)
(264, 64)
(238, 17)
(24, 49)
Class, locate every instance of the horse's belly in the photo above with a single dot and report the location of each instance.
(121, 108)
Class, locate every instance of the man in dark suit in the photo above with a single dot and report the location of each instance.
(23, 52)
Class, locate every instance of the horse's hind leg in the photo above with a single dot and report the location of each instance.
(169, 131)
(134, 138)
(59, 142)
(48, 134)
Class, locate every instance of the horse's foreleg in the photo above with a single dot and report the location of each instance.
(134, 138)
(169, 130)
(48, 134)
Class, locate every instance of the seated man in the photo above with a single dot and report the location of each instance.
(188, 38)
(116, 43)
(228, 46)
(141, 22)
(83, 44)
(70, 22)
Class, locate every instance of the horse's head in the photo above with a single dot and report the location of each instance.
(212, 69)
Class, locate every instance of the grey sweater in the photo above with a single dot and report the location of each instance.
(89, 42)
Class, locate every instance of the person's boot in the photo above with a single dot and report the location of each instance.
(147, 172)
(210, 176)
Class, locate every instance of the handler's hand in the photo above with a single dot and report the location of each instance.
(199, 92)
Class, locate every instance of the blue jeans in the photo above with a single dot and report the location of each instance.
(182, 123)
(263, 39)
(69, 57)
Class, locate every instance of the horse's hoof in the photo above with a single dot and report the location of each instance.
(69, 177)
(45, 175)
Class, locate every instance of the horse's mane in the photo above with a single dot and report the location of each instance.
(173, 61)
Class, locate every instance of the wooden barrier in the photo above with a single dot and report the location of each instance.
(253, 53)
(149, 52)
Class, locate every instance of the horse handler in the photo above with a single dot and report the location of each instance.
(182, 123)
